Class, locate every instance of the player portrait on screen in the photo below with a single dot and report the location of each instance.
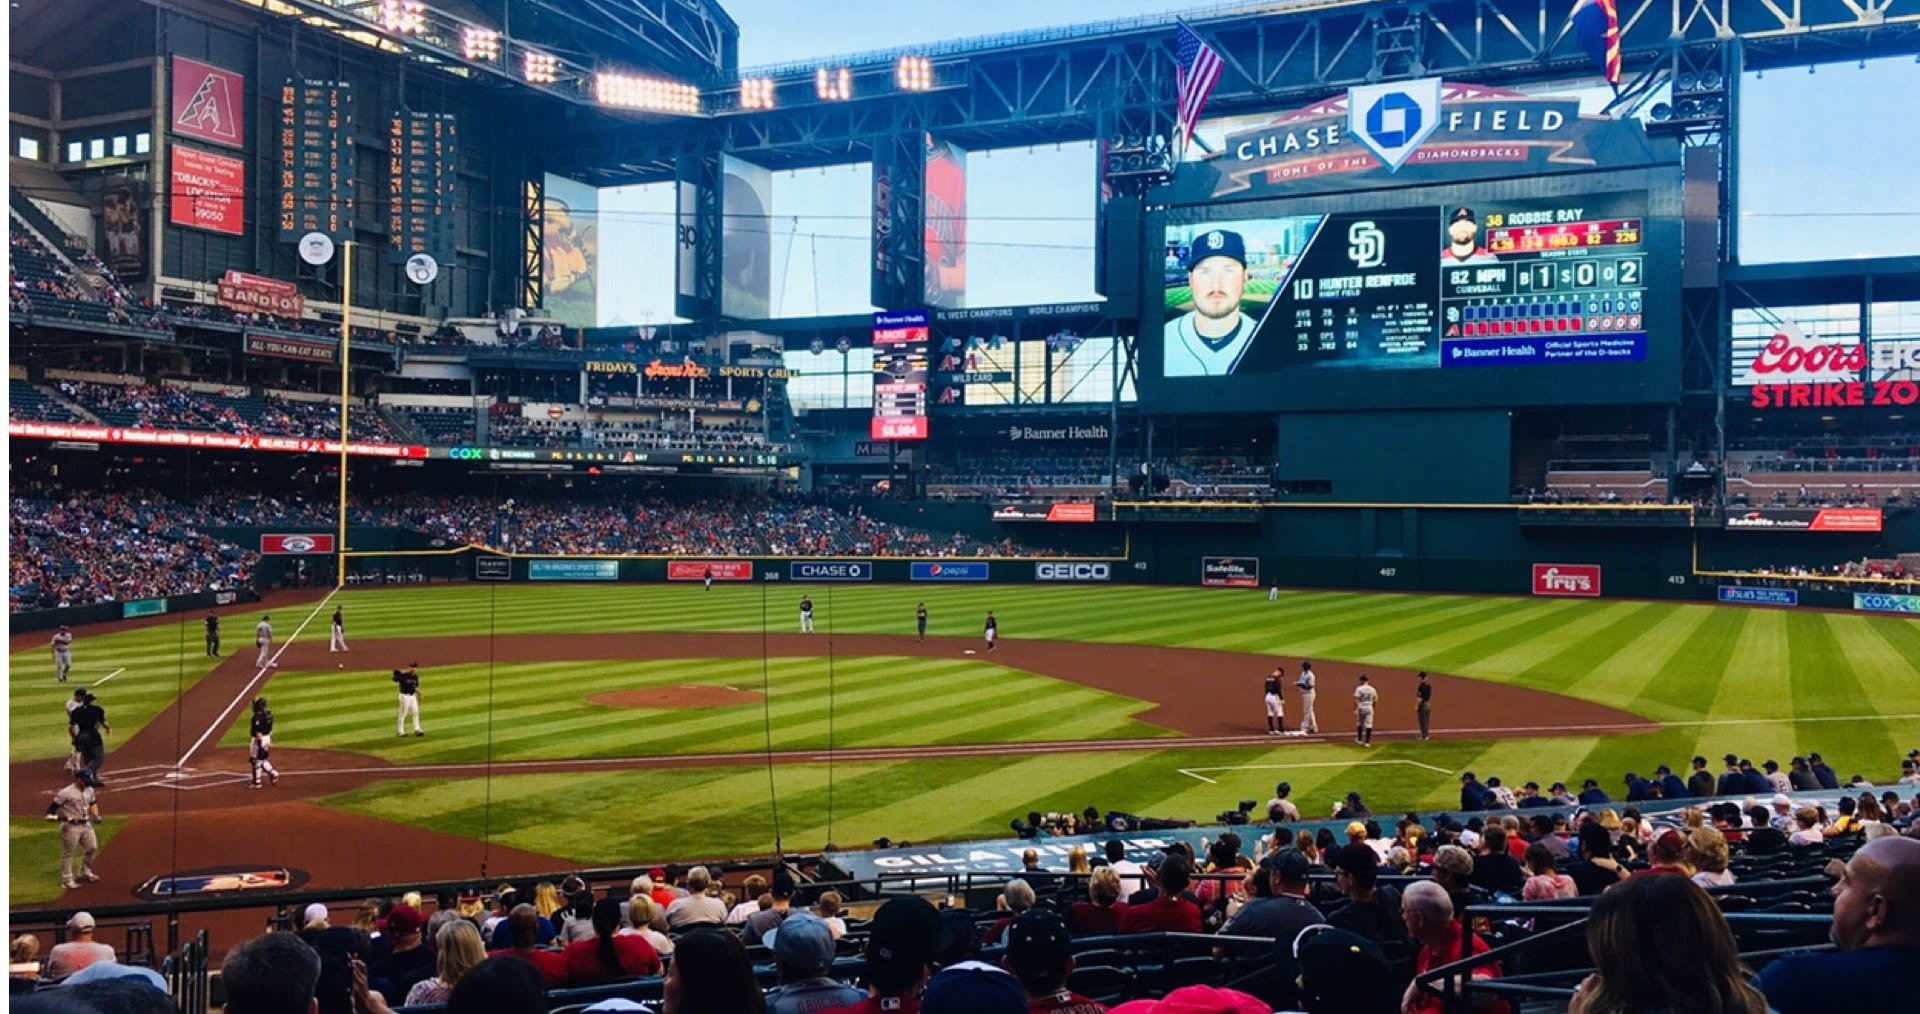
(1209, 340)
(1463, 240)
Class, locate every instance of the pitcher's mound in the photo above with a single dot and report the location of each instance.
(675, 698)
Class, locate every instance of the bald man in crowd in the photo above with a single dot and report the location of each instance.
(1876, 926)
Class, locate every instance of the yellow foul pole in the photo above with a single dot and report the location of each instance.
(346, 339)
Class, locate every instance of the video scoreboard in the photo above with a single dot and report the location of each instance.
(316, 159)
(902, 346)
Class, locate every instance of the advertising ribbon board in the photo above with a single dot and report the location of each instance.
(573, 570)
(949, 571)
(1566, 580)
(143, 607)
(1823, 519)
(1876, 602)
(1072, 572)
(492, 568)
(799, 570)
(249, 293)
(1759, 596)
(1230, 571)
(697, 570)
(295, 545)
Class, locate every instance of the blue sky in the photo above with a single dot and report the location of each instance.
(782, 31)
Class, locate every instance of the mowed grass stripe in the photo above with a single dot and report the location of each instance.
(158, 663)
(1625, 661)
(1687, 686)
(1824, 685)
(1885, 654)
(1459, 650)
(1376, 640)
(1324, 635)
(1593, 632)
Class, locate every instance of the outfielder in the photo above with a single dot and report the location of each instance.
(1276, 705)
(77, 810)
(263, 639)
(1364, 697)
(62, 653)
(707, 578)
(920, 620)
(1308, 726)
(993, 630)
(213, 635)
(339, 642)
(261, 746)
(409, 682)
(1273, 593)
(806, 614)
(1425, 709)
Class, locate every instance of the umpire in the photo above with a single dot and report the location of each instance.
(213, 635)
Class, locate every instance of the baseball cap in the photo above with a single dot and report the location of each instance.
(804, 943)
(1038, 944)
(1217, 243)
(1454, 860)
(903, 932)
(1782, 799)
(973, 987)
(1343, 971)
(80, 921)
(1196, 1000)
(1357, 859)
(404, 919)
(102, 971)
(1461, 215)
(782, 884)
(1355, 827)
(1466, 776)
(1290, 863)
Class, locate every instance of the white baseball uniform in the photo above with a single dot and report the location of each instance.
(263, 639)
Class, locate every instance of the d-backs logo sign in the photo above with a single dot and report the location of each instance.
(206, 103)
(1423, 131)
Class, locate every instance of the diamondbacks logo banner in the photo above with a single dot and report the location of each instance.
(206, 103)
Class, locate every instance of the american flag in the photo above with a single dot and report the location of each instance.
(1597, 24)
(1199, 68)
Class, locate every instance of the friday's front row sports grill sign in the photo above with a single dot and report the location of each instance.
(295, 545)
(1566, 580)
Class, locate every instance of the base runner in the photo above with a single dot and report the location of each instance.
(993, 631)
(1276, 704)
(77, 810)
(263, 639)
(1364, 697)
(339, 642)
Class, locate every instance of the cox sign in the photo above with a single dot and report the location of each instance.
(1874, 602)
(1072, 572)
(801, 571)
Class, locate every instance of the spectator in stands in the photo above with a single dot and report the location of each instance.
(702, 905)
(711, 974)
(760, 922)
(499, 987)
(1849, 821)
(827, 910)
(1100, 913)
(1033, 873)
(1667, 854)
(1822, 773)
(973, 987)
(1597, 869)
(1700, 784)
(1453, 871)
(1443, 940)
(1040, 956)
(1372, 910)
(1285, 911)
(1807, 828)
(901, 941)
(610, 954)
(803, 951)
(523, 935)
(1545, 882)
(642, 917)
(1342, 973)
(1170, 911)
(1709, 856)
(338, 947)
(750, 892)
(457, 951)
(400, 957)
(272, 974)
(1016, 898)
(72, 955)
(1800, 777)
(1494, 868)
(24, 957)
(1661, 944)
(1289, 813)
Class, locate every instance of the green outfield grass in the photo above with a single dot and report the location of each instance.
(543, 711)
(1762, 683)
(158, 666)
(33, 857)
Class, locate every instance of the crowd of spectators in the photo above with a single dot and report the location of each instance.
(507, 427)
(77, 550)
(165, 406)
(1853, 575)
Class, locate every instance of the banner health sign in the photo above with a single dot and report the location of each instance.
(1759, 596)
(573, 570)
(1874, 602)
(950, 571)
(804, 571)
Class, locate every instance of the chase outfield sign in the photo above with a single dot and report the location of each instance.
(1424, 131)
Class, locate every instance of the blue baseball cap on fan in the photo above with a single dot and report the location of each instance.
(973, 987)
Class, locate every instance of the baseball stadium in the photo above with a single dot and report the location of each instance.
(692, 507)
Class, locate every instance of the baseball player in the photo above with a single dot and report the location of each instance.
(806, 614)
(1276, 705)
(62, 653)
(993, 631)
(1273, 592)
(1210, 341)
(1308, 726)
(75, 761)
(263, 639)
(262, 744)
(213, 635)
(409, 683)
(1364, 697)
(339, 642)
(707, 578)
(1463, 241)
(77, 809)
(1425, 708)
(920, 620)
(87, 725)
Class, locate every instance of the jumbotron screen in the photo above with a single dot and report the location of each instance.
(901, 348)
(1468, 301)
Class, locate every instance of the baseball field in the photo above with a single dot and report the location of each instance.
(617, 724)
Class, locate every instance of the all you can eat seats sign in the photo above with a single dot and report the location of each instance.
(1794, 370)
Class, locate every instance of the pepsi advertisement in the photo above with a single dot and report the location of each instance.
(949, 571)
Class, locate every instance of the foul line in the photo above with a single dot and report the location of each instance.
(1190, 772)
(110, 675)
(247, 690)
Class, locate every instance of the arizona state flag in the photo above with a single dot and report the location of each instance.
(1597, 23)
